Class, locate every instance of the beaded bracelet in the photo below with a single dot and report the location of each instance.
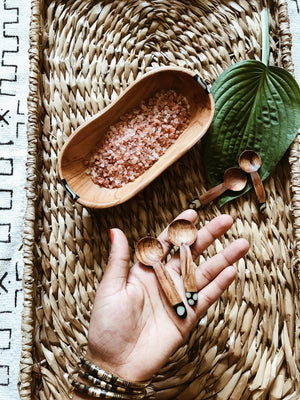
(103, 394)
(110, 378)
(106, 385)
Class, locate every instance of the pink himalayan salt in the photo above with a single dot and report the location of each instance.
(137, 141)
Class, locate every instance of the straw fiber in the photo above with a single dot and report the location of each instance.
(83, 54)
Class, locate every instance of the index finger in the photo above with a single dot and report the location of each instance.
(210, 232)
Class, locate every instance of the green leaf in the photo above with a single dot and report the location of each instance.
(257, 108)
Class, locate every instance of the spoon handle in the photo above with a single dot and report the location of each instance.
(212, 193)
(169, 289)
(188, 274)
(258, 187)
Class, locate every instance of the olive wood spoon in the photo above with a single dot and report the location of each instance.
(235, 179)
(250, 162)
(183, 233)
(149, 251)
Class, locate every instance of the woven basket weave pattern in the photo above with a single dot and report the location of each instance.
(83, 54)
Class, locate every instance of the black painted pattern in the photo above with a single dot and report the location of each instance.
(13, 142)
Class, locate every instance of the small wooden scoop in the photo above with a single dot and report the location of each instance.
(235, 179)
(183, 233)
(149, 251)
(250, 162)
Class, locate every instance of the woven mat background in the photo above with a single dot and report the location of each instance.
(83, 54)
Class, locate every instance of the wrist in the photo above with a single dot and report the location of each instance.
(129, 372)
(93, 382)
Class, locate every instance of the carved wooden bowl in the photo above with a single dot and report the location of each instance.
(71, 163)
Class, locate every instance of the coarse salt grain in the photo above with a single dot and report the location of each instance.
(137, 141)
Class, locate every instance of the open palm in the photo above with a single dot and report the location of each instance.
(133, 329)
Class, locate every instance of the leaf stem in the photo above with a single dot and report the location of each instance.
(265, 37)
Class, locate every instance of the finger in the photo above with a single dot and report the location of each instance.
(117, 268)
(190, 215)
(210, 232)
(212, 292)
(209, 270)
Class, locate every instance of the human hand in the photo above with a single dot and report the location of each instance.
(133, 329)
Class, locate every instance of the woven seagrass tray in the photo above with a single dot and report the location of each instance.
(83, 54)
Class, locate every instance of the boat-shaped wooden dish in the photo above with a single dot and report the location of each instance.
(82, 143)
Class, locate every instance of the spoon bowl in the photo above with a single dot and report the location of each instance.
(149, 251)
(250, 162)
(183, 233)
(234, 179)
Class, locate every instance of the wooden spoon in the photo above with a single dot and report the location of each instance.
(183, 233)
(149, 251)
(235, 179)
(250, 162)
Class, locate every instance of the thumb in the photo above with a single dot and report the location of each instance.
(117, 268)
